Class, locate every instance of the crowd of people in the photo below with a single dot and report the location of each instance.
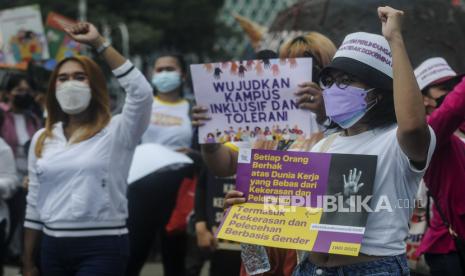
(67, 209)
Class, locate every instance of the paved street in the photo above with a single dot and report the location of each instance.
(151, 269)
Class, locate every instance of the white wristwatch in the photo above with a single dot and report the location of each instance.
(103, 47)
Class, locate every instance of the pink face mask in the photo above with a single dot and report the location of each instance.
(346, 106)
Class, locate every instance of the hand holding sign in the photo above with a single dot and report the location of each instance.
(199, 115)
(391, 20)
(309, 97)
(233, 197)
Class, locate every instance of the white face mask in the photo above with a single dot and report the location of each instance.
(73, 96)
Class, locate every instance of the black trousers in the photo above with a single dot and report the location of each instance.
(444, 264)
(222, 262)
(151, 201)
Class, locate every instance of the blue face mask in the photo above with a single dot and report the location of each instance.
(346, 106)
(166, 81)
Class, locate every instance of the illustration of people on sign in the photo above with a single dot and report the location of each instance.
(250, 134)
(26, 45)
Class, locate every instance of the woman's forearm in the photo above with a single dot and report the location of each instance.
(111, 56)
(31, 241)
(413, 133)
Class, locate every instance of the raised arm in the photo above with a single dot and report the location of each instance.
(86, 33)
(137, 108)
(412, 133)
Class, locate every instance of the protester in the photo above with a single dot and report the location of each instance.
(221, 159)
(78, 165)
(444, 99)
(20, 123)
(153, 198)
(209, 197)
(391, 126)
(8, 182)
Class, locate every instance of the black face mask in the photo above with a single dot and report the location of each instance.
(23, 101)
(440, 100)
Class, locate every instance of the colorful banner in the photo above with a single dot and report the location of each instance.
(252, 99)
(301, 200)
(23, 35)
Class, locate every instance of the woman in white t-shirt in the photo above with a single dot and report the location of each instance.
(371, 93)
(152, 198)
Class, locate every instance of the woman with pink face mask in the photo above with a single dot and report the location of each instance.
(371, 95)
(79, 164)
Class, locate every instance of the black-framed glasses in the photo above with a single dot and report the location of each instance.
(342, 81)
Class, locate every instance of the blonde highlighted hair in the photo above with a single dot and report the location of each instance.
(313, 44)
(98, 111)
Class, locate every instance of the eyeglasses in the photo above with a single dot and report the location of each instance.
(342, 81)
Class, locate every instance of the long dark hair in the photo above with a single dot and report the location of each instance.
(15, 79)
(382, 114)
(181, 62)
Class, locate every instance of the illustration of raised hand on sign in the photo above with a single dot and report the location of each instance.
(208, 67)
(217, 73)
(283, 61)
(259, 68)
(293, 62)
(275, 69)
(242, 70)
(351, 186)
(234, 68)
(266, 63)
(249, 64)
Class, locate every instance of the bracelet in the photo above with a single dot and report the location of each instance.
(103, 47)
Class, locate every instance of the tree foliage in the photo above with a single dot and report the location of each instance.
(187, 25)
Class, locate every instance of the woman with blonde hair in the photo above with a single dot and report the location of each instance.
(78, 165)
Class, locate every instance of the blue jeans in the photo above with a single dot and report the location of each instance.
(84, 256)
(389, 266)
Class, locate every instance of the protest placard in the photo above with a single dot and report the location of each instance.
(61, 46)
(252, 99)
(301, 200)
(23, 35)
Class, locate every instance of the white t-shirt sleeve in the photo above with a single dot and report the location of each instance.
(399, 154)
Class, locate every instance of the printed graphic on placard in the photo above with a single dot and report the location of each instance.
(23, 35)
(252, 99)
(300, 200)
(61, 46)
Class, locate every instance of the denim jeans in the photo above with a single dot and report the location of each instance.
(392, 266)
(84, 256)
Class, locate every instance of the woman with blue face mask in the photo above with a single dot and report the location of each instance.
(152, 199)
(371, 95)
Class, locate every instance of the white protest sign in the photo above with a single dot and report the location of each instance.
(252, 98)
